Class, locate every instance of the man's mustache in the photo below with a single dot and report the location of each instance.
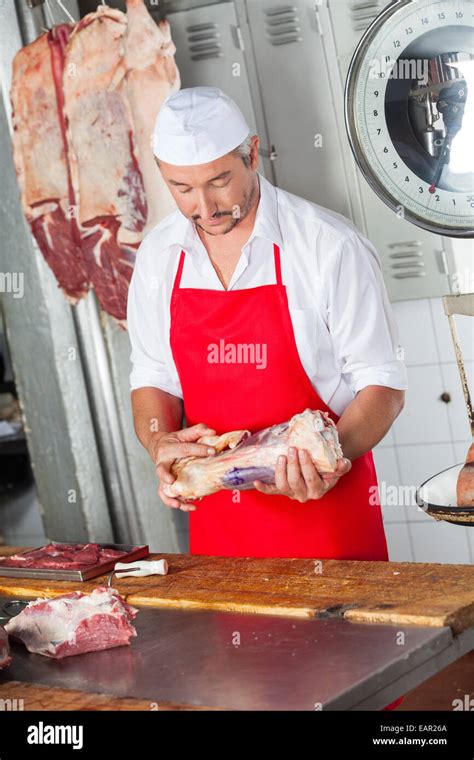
(216, 216)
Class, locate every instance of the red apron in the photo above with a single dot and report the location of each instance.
(234, 396)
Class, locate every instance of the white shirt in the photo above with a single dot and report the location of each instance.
(344, 327)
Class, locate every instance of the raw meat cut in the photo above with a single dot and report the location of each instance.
(102, 155)
(85, 98)
(105, 170)
(465, 481)
(40, 159)
(5, 658)
(243, 458)
(74, 623)
(111, 102)
(152, 75)
(62, 557)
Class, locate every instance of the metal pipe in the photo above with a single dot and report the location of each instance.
(117, 481)
(31, 19)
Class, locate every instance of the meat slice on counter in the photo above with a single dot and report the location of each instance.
(5, 658)
(40, 159)
(152, 75)
(104, 165)
(254, 457)
(74, 623)
(62, 557)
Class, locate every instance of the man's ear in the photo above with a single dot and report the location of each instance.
(254, 154)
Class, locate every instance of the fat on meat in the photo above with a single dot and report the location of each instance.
(74, 623)
(242, 457)
(152, 75)
(104, 163)
(40, 159)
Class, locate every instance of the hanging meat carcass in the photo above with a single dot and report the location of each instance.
(40, 158)
(152, 75)
(108, 76)
(118, 71)
(107, 181)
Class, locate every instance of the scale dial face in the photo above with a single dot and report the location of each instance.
(409, 110)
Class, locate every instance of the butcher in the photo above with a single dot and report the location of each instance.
(242, 263)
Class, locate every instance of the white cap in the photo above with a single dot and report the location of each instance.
(197, 125)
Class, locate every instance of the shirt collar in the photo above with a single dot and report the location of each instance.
(184, 234)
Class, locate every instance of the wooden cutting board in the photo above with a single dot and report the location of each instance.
(369, 592)
(37, 697)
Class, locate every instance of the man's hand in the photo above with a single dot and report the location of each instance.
(170, 446)
(299, 479)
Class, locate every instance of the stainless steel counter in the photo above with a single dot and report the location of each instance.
(253, 662)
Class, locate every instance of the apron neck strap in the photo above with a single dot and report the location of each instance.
(179, 272)
(276, 254)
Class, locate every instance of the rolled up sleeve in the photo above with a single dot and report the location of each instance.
(362, 326)
(147, 331)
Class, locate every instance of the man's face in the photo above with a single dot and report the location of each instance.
(217, 195)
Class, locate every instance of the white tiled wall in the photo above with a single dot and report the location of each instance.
(428, 436)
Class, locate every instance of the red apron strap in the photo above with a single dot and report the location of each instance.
(179, 272)
(276, 253)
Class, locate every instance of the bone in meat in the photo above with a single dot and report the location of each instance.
(254, 457)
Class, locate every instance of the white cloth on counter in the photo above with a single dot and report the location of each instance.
(197, 125)
(345, 331)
